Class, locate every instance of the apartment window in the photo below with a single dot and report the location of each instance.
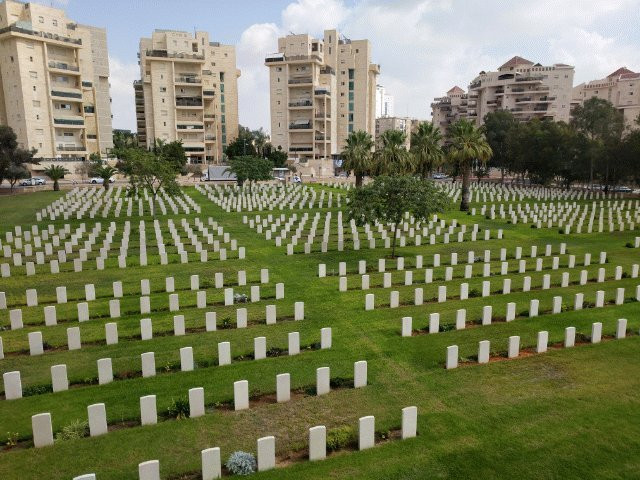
(163, 100)
(351, 96)
(163, 89)
(11, 57)
(278, 102)
(351, 106)
(41, 19)
(29, 44)
(39, 131)
(351, 85)
(55, 23)
(278, 69)
(351, 117)
(36, 103)
(67, 134)
(31, 59)
(357, 50)
(34, 88)
(222, 108)
(33, 74)
(350, 127)
(222, 98)
(222, 118)
(352, 74)
(37, 117)
(164, 123)
(342, 94)
(92, 137)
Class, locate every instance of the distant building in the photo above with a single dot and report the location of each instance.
(403, 124)
(450, 108)
(621, 88)
(188, 91)
(320, 91)
(54, 78)
(384, 103)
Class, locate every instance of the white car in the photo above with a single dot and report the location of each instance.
(100, 181)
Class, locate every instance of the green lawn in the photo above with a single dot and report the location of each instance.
(568, 413)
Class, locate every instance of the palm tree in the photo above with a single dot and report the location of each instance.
(357, 155)
(105, 172)
(426, 149)
(55, 173)
(468, 144)
(392, 156)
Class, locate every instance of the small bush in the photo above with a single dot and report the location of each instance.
(37, 390)
(226, 323)
(629, 245)
(447, 327)
(341, 382)
(12, 439)
(74, 430)
(179, 408)
(474, 292)
(241, 463)
(338, 438)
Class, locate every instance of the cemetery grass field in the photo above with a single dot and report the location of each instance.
(567, 413)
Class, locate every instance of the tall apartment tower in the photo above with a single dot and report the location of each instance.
(188, 91)
(526, 89)
(621, 88)
(321, 90)
(452, 107)
(384, 103)
(404, 124)
(54, 83)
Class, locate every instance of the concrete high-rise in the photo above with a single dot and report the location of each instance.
(188, 91)
(320, 91)
(384, 103)
(54, 83)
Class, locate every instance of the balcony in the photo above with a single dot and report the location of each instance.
(209, 115)
(322, 91)
(301, 103)
(327, 71)
(300, 149)
(208, 93)
(70, 148)
(322, 138)
(63, 66)
(58, 93)
(68, 121)
(523, 99)
(209, 138)
(181, 56)
(300, 81)
(191, 79)
(300, 125)
(274, 57)
(44, 35)
(531, 78)
(322, 116)
(188, 101)
(475, 84)
(87, 84)
(190, 127)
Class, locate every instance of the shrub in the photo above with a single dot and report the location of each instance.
(12, 439)
(338, 438)
(179, 408)
(74, 430)
(474, 292)
(628, 245)
(241, 463)
(36, 390)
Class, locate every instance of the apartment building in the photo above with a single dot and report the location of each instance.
(526, 89)
(384, 103)
(621, 88)
(54, 83)
(188, 91)
(404, 124)
(320, 91)
(450, 108)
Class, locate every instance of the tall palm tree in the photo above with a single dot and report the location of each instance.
(105, 172)
(55, 173)
(426, 149)
(357, 155)
(468, 144)
(392, 156)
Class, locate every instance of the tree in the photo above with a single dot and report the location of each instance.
(243, 145)
(278, 157)
(150, 170)
(497, 126)
(357, 155)
(122, 140)
(55, 173)
(172, 152)
(601, 122)
(468, 145)
(387, 199)
(251, 169)
(12, 155)
(14, 173)
(105, 172)
(392, 157)
(426, 149)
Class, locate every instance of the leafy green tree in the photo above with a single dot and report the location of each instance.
(497, 126)
(392, 157)
(468, 145)
(243, 145)
(55, 173)
(105, 172)
(251, 169)
(150, 170)
(387, 199)
(171, 152)
(601, 122)
(278, 157)
(426, 148)
(13, 156)
(357, 155)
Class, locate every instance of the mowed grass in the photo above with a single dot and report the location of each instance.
(569, 413)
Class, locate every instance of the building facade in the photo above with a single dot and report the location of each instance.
(452, 107)
(54, 81)
(188, 91)
(621, 88)
(403, 124)
(384, 103)
(320, 91)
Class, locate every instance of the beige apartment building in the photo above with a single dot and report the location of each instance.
(188, 91)
(450, 108)
(320, 91)
(621, 88)
(404, 124)
(54, 81)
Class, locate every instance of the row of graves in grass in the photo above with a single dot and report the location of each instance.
(485, 354)
(330, 235)
(13, 385)
(438, 322)
(63, 250)
(488, 192)
(265, 458)
(598, 216)
(269, 197)
(97, 414)
(91, 202)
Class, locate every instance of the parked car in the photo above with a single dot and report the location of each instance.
(30, 182)
(439, 176)
(100, 181)
(40, 181)
(621, 188)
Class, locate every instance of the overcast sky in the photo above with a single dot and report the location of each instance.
(424, 46)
